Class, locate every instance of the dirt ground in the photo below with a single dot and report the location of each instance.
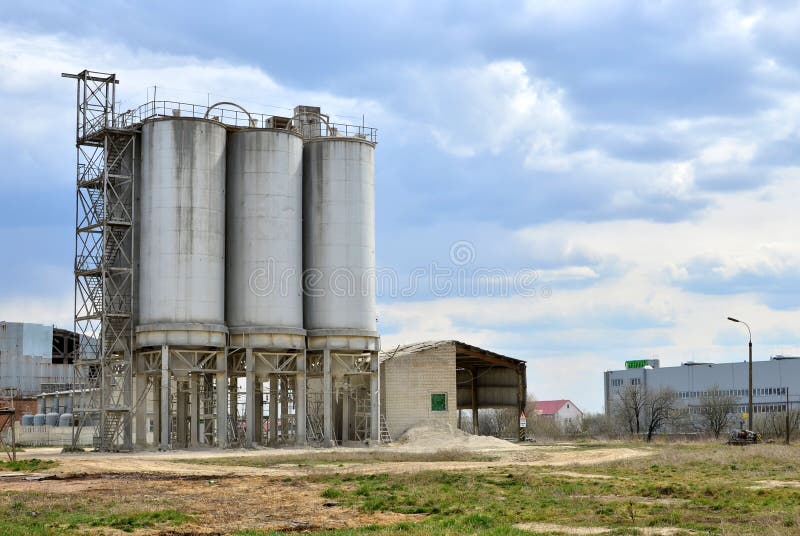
(225, 498)
(86, 464)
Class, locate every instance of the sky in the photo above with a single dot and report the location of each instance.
(570, 183)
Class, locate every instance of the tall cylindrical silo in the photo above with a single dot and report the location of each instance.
(339, 236)
(264, 257)
(182, 233)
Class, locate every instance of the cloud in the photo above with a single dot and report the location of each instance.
(496, 107)
(641, 157)
(37, 104)
(769, 271)
(55, 309)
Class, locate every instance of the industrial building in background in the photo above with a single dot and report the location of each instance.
(776, 383)
(224, 265)
(35, 358)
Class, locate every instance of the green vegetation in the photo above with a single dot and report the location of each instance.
(698, 488)
(25, 514)
(34, 464)
(702, 489)
(329, 457)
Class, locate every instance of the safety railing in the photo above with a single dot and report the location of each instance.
(235, 118)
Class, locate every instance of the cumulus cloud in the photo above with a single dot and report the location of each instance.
(497, 107)
(641, 157)
(36, 105)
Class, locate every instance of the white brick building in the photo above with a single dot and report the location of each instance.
(428, 382)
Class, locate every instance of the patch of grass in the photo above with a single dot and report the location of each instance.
(691, 487)
(35, 513)
(332, 493)
(34, 464)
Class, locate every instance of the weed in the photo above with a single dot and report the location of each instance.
(33, 464)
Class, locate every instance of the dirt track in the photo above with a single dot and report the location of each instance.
(226, 498)
(154, 463)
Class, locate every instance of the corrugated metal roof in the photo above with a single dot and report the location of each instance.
(429, 345)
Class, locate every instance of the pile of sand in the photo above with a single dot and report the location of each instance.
(431, 437)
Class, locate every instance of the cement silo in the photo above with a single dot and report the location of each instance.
(195, 226)
(339, 234)
(181, 334)
(339, 264)
(182, 233)
(264, 264)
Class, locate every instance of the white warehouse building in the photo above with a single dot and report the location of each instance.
(772, 380)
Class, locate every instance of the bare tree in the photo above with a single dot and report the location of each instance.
(773, 424)
(639, 410)
(659, 409)
(715, 411)
(498, 422)
(628, 408)
(597, 425)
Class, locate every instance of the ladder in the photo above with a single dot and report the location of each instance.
(235, 435)
(385, 436)
(314, 432)
(107, 432)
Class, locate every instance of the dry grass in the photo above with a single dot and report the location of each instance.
(676, 489)
(334, 457)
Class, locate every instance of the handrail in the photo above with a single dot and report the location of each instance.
(249, 117)
(236, 117)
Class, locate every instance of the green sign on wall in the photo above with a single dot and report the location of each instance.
(439, 402)
(637, 363)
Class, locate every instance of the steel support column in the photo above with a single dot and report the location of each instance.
(327, 399)
(141, 415)
(475, 427)
(164, 400)
(375, 400)
(250, 397)
(194, 410)
(272, 439)
(222, 400)
(300, 401)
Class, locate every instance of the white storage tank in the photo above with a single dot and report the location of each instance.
(264, 257)
(182, 233)
(339, 234)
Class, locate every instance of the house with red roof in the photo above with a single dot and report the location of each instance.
(563, 412)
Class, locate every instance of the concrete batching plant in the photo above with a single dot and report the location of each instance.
(224, 275)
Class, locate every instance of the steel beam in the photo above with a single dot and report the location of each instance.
(164, 405)
(250, 397)
(221, 386)
(300, 399)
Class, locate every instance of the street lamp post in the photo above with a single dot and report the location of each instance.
(749, 373)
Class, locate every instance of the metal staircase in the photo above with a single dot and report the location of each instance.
(385, 436)
(314, 432)
(104, 273)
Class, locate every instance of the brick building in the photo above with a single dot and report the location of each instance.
(429, 382)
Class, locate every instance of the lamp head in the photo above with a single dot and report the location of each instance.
(732, 319)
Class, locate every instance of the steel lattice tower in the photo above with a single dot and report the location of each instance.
(104, 275)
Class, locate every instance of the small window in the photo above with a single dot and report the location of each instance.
(439, 402)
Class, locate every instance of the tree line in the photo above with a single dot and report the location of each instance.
(636, 411)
